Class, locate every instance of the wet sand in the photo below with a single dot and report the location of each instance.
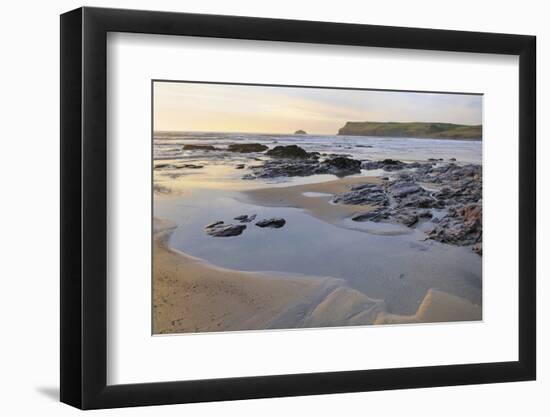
(318, 206)
(190, 295)
(437, 306)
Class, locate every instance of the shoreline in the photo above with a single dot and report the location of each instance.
(191, 295)
(318, 206)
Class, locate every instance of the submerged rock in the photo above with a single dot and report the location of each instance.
(239, 166)
(220, 229)
(246, 147)
(274, 223)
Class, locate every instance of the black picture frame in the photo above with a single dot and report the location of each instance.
(84, 207)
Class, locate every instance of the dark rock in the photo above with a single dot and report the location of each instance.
(208, 226)
(239, 166)
(425, 214)
(363, 194)
(421, 202)
(193, 147)
(162, 166)
(300, 132)
(403, 189)
(462, 226)
(373, 215)
(343, 164)
(190, 166)
(407, 218)
(303, 167)
(220, 229)
(477, 248)
(385, 164)
(245, 218)
(284, 168)
(274, 223)
(246, 147)
(290, 151)
(452, 159)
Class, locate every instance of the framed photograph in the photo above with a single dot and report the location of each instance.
(257, 208)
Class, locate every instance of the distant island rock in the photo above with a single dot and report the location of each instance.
(413, 130)
(300, 132)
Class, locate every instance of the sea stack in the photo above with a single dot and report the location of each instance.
(300, 132)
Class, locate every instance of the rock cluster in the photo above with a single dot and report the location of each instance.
(244, 218)
(220, 229)
(461, 227)
(293, 161)
(456, 195)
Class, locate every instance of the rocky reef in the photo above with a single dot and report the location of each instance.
(294, 161)
(447, 195)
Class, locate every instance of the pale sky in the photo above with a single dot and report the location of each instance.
(240, 108)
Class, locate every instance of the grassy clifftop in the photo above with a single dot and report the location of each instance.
(412, 130)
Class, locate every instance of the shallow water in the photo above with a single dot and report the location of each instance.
(359, 147)
(397, 268)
